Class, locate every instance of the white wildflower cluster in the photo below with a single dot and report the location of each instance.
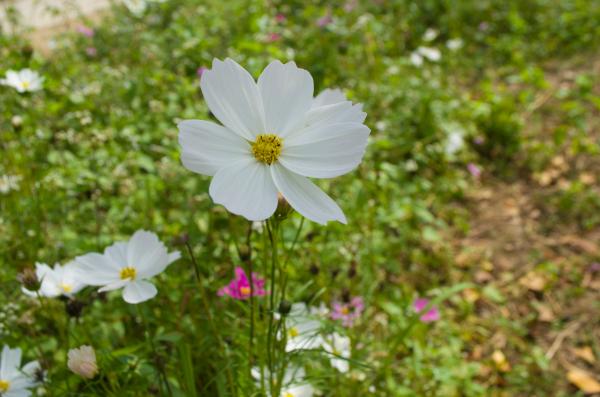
(432, 54)
(9, 182)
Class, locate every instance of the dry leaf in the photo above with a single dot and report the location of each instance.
(545, 312)
(500, 360)
(585, 353)
(583, 380)
(534, 281)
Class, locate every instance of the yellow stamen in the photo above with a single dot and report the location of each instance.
(4, 385)
(293, 332)
(267, 148)
(345, 310)
(26, 84)
(128, 273)
(245, 290)
(66, 287)
(288, 394)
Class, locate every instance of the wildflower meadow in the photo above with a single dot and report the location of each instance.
(301, 198)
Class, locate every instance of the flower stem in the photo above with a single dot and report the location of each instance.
(272, 229)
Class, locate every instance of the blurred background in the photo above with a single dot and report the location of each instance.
(481, 175)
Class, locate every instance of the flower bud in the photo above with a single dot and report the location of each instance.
(245, 253)
(284, 307)
(82, 362)
(283, 208)
(29, 279)
(74, 307)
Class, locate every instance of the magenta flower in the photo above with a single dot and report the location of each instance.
(280, 18)
(474, 170)
(239, 287)
(85, 30)
(273, 37)
(348, 312)
(200, 71)
(324, 21)
(432, 314)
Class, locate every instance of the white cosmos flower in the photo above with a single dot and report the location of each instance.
(14, 380)
(25, 80)
(303, 331)
(430, 34)
(127, 265)
(274, 137)
(294, 384)
(454, 44)
(455, 142)
(62, 280)
(340, 348)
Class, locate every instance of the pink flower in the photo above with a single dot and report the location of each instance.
(273, 37)
(324, 21)
(474, 170)
(239, 287)
(432, 314)
(91, 51)
(348, 312)
(280, 18)
(200, 71)
(85, 30)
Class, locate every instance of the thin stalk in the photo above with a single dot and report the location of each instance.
(272, 229)
(211, 321)
(158, 366)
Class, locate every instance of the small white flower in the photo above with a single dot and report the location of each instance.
(82, 361)
(25, 80)
(302, 329)
(62, 280)
(321, 311)
(454, 44)
(433, 54)
(275, 136)
(127, 265)
(430, 34)
(340, 348)
(455, 142)
(9, 182)
(416, 59)
(136, 7)
(294, 384)
(14, 380)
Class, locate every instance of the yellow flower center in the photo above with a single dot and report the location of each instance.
(288, 394)
(128, 273)
(293, 332)
(267, 148)
(345, 310)
(4, 385)
(66, 287)
(26, 84)
(245, 290)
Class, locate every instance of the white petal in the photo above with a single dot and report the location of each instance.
(95, 269)
(115, 285)
(18, 393)
(305, 197)
(329, 97)
(234, 98)
(139, 291)
(10, 362)
(286, 92)
(326, 151)
(245, 188)
(142, 246)
(341, 112)
(31, 368)
(117, 254)
(206, 146)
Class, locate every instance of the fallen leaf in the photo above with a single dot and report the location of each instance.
(534, 281)
(545, 312)
(583, 380)
(500, 360)
(585, 353)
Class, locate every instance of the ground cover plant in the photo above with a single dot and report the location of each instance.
(302, 198)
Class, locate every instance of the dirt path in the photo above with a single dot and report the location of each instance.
(47, 17)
